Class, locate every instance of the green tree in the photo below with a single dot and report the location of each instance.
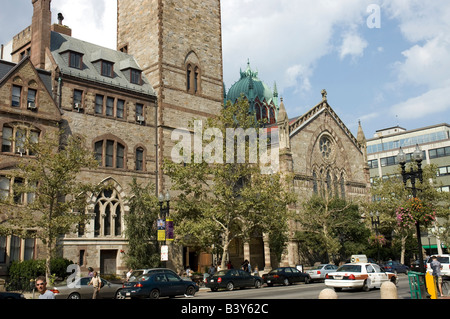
(56, 198)
(221, 200)
(331, 227)
(141, 227)
(389, 195)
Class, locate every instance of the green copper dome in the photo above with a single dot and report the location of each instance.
(252, 87)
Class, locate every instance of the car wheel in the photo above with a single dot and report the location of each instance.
(394, 280)
(74, 295)
(154, 294)
(230, 286)
(214, 289)
(118, 295)
(307, 280)
(286, 282)
(365, 286)
(257, 284)
(190, 291)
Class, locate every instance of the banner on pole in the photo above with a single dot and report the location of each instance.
(169, 230)
(161, 226)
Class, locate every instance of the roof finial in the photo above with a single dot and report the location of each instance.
(324, 95)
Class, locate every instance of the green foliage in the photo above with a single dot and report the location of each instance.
(331, 229)
(391, 198)
(59, 197)
(218, 202)
(22, 273)
(143, 250)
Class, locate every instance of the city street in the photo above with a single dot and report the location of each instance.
(301, 291)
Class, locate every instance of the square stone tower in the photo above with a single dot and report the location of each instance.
(178, 44)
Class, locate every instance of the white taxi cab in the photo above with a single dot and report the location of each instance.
(363, 276)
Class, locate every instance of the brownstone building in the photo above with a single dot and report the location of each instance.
(166, 72)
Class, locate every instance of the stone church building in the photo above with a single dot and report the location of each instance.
(167, 70)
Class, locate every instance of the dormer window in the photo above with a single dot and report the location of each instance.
(75, 60)
(135, 76)
(107, 69)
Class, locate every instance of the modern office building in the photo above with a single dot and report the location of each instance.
(434, 141)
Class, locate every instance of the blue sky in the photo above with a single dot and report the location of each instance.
(395, 74)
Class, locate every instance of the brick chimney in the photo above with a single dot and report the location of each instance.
(40, 31)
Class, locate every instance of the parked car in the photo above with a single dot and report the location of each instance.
(159, 284)
(415, 265)
(363, 276)
(82, 290)
(11, 295)
(285, 276)
(395, 267)
(232, 278)
(320, 271)
(138, 273)
(444, 259)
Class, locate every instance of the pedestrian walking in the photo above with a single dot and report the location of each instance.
(129, 274)
(436, 267)
(41, 285)
(96, 282)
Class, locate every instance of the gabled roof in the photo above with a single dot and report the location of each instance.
(313, 113)
(92, 53)
(8, 70)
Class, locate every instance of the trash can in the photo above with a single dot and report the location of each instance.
(417, 285)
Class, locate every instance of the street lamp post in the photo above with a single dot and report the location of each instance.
(164, 211)
(375, 224)
(413, 175)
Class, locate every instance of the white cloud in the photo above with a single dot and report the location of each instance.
(285, 39)
(434, 101)
(90, 20)
(352, 45)
(425, 65)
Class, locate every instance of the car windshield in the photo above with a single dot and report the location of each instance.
(274, 271)
(317, 267)
(441, 259)
(349, 268)
(221, 273)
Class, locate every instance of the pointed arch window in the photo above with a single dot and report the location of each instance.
(342, 183)
(315, 188)
(192, 79)
(272, 116)
(108, 214)
(258, 112)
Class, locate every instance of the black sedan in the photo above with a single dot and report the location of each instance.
(395, 267)
(232, 278)
(160, 284)
(11, 295)
(286, 276)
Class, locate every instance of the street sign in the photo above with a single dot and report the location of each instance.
(164, 253)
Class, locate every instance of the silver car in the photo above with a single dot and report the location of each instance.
(320, 271)
(82, 290)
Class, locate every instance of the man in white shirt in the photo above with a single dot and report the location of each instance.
(41, 285)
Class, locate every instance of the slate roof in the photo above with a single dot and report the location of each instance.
(61, 44)
(7, 67)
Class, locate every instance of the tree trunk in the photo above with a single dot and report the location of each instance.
(403, 250)
(47, 260)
